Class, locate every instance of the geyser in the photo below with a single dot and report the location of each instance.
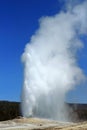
(50, 63)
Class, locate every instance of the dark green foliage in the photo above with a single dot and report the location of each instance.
(9, 110)
(80, 110)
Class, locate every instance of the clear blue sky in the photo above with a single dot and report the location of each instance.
(18, 21)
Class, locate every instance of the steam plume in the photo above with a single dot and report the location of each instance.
(50, 64)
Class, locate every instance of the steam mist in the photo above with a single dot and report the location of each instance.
(50, 64)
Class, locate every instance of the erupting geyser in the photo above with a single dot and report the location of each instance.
(50, 64)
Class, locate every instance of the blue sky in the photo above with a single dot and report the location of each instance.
(18, 22)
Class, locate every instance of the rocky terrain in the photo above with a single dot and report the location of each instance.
(40, 124)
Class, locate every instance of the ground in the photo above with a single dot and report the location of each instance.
(40, 124)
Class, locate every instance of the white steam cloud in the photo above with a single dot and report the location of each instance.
(50, 64)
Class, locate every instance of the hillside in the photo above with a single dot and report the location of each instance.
(11, 110)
